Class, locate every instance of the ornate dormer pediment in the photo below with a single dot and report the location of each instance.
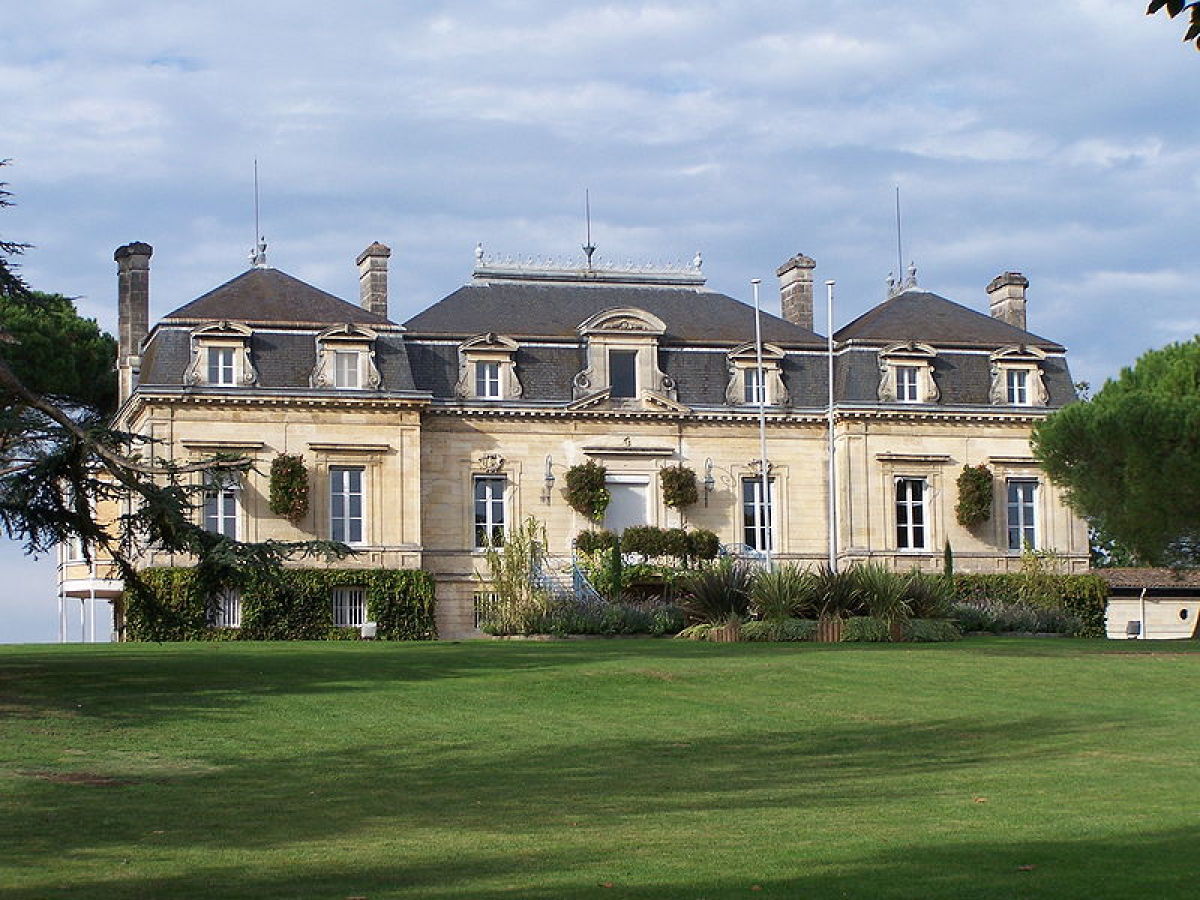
(622, 357)
(742, 362)
(1017, 380)
(623, 320)
(487, 368)
(346, 359)
(220, 356)
(906, 373)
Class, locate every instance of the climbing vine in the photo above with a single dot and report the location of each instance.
(586, 491)
(974, 505)
(289, 487)
(679, 487)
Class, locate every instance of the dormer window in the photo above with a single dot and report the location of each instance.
(346, 359)
(1017, 377)
(747, 385)
(220, 365)
(487, 368)
(622, 359)
(487, 380)
(906, 374)
(907, 390)
(220, 356)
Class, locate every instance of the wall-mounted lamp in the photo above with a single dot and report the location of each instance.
(548, 480)
(709, 482)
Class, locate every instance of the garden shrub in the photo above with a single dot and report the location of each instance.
(782, 593)
(931, 630)
(704, 544)
(866, 629)
(290, 604)
(288, 495)
(646, 540)
(779, 630)
(675, 542)
(1074, 604)
(679, 487)
(566, 617)
(586, 490)
(588, 542)
(718, 592)
(974, 505)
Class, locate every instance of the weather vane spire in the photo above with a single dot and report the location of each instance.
(258, 255)
(588, 248)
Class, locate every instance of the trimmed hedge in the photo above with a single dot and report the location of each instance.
(566, 618)
(1085, 597)
(294, 604)
(856, 629)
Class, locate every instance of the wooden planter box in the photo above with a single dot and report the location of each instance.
(829, 631)
(729, 633)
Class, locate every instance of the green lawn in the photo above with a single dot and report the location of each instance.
(626, 768)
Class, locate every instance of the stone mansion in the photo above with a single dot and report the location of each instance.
(422, 437)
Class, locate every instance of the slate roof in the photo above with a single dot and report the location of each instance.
(921, 316)
(524, 310)
(271, 297)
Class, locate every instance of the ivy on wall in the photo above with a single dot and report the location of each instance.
(292, 604)
(289, 487)
(679, 488)
(974, 505)
(586, 491)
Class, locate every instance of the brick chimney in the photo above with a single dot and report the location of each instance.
(1006, 295)
(133, 312)
(796, 290)
(372, 278)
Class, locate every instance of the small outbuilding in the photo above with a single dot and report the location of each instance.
(1152, 604)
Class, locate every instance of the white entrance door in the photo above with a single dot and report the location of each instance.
(629, 503)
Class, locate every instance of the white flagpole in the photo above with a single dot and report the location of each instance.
(766, 507)
(832, 447)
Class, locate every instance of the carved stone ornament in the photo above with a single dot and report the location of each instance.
(756, 466)
(196, 373)
(323, 372)
(626, 325)
(581, 384)
(491, 463)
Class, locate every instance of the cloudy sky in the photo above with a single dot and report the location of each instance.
(1054, 137)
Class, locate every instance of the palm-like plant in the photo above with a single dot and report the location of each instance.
(885, 592)
(782, 593)
(836, 594)
(714, 594)
(929, 596)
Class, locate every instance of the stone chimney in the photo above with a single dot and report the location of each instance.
(372, 278)
(796, 290)
(133, 312)
(1006, 295)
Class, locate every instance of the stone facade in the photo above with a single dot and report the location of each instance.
(479, 405)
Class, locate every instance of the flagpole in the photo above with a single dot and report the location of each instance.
(832, 446)
(762, 425)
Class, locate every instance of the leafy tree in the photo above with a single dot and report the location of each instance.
(1129, 458)
(1174, 8)
(61, 461)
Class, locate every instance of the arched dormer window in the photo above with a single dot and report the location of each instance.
(906, 374)
(1017, 377)
(622, 357)
(220, 356)
(487, 368)
(745, 387)
(346, 359)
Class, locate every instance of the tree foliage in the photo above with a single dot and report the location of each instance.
(1174, 8)
(1129, 458)
(62, 462)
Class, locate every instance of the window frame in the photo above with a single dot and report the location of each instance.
(222, 363)
(627, 373)
(342, 493)
(1023, 506)
(220, 513)
(347, 366)
(347, 603)
(1016, 386)
(908, 385)
(488, 379)
(225, 610)
(753, 528)
(906, 529)
(754, 385)
(491, 503)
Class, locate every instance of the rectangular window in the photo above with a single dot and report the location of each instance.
(346, 504)
(622, 373)
(349, 607)
(484, 603)
(757, 514)
(910, 513)
(1018, 387)
(220, 365)
(221, 505)
(1022, 515)
(345, 369)
(906, 384)
(226, 610)
(75, 549)
(755, 387)
(489, 510)
(487, 380)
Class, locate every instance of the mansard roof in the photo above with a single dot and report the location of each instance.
(915, 315)
(521, 309)
(265, 296)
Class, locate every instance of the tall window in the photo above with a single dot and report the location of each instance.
(756, 390)
(489, 510)
(226, 610)
(346, 504)
(487, 380)
(622, 373)
(220, 365)
(906, 384)
(221, 504)
(757, 514)
(1022, 514)
(349, 607)
(910, 514)
(345, 369)
(1017, 381)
